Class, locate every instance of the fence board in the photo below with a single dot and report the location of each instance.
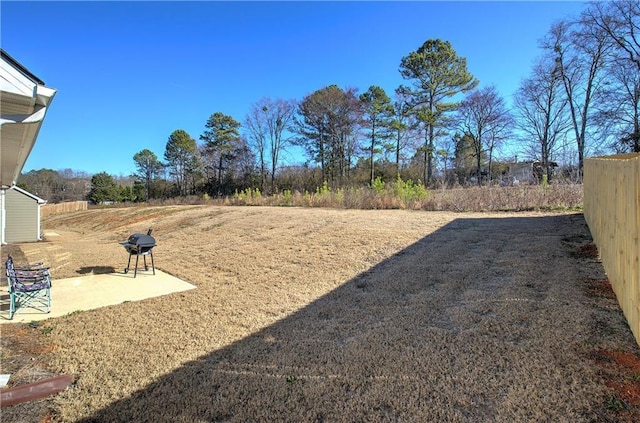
(612, 211)
(71, 206)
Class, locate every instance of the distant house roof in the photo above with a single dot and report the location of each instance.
(25, 101)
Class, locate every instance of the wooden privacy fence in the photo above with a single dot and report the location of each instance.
(612, 211)
(71, 206)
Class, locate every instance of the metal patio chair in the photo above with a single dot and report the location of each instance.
(29, 287)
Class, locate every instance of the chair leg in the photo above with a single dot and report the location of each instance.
(12, 305)
(38, 300)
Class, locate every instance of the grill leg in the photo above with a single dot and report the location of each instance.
(135, 271)
(153, 266)
(126, 270)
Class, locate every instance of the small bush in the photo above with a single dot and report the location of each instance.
(378, 185)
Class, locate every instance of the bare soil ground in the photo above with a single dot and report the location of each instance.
(334, 315)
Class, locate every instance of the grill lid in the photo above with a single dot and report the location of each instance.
(140, 240)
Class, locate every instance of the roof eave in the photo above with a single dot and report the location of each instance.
(23, 93)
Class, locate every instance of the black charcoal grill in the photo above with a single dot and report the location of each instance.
(140, 245)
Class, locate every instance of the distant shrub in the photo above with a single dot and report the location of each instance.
(378, 185)
(401, 194)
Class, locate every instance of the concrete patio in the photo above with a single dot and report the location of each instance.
(95, 291)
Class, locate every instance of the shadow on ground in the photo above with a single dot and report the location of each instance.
(96, 270)
(484, 320)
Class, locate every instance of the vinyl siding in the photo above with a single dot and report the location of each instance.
(22, 223)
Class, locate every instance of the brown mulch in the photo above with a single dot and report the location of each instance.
(600, 288)
(587, 250)
(626, 379)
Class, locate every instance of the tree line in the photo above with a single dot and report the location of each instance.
(582, 97)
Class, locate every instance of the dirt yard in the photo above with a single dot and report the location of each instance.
(333, 315)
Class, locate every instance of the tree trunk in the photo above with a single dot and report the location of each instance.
(430, 155)
(426, 159)
(478, 163)
(322, 161)
(489, 169)
(398, 157)
(636, 134)
(373, 146)
(219, 182)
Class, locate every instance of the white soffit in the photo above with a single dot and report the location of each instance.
(24, 101)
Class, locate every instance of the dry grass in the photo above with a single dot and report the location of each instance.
(339, 315)
(406, 195)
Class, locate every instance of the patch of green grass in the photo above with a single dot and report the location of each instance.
(38, 325)
(616, 404)
(291, 379)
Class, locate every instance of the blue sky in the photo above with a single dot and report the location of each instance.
(130, 73)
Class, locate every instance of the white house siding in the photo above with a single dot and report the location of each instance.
(23, 105)
(3, 224)
(22, 217)
(521, 172)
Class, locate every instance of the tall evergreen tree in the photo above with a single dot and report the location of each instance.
(183, 160)
(103, 188)
(464, 157)
(148, 167)
(222, 143)
(378, 113)
(436, 73)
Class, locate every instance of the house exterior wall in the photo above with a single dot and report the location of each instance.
(521, 172)
(22, 217)
(3, 223)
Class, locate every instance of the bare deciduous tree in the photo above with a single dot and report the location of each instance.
(620, 20)
(267, 123)
(540, 104)
(483, 116)
(329, 122)
(618, 107)
(579, 50)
